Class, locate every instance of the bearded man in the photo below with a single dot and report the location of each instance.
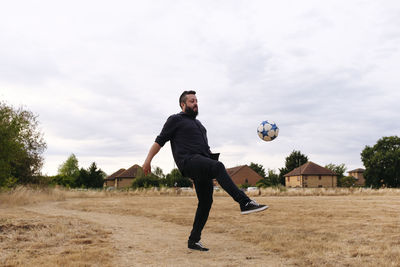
(194, 159)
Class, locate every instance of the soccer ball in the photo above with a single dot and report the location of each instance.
(267, 130)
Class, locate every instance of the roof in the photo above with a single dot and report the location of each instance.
(234, 170)
(310, 168)
(131, 172)
(357, 170)
(115, 174)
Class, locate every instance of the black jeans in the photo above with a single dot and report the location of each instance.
(203, 170)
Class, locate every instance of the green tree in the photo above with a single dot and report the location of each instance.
(258, 168)
(157, 171)
(339, 170)
(146, 181)
(153, 179)
(272, 179)
(90, 178)
(245, 185)
(68, 172)
(175, 178)
(294, 160)
(382, 163)
(347, 181)
(21, 146)
(65, 181)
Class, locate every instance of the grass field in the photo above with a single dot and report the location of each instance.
(314, 227)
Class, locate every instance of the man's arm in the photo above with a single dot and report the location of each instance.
(152, 152)
(166, 133)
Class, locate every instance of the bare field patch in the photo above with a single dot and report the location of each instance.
(307, 230)
(27, 239)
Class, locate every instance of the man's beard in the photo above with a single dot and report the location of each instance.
(191, 113)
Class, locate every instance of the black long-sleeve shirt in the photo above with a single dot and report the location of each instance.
(188, 137)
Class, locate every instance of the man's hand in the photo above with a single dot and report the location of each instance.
(146, 168)
(153, 151)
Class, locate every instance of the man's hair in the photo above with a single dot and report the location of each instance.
(183, 97)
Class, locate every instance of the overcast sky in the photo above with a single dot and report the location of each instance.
(103, 76)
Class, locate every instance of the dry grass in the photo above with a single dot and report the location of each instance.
(352, 230)
(272, 191)
(317, 227)
(29, 240)
(22, 195)
(360, 228)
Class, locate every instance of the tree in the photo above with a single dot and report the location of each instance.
(158, 172)
(245, 185)
(258, 168)
(382, 163)
(339, 170)
(272, 179)
(175, 178)
(91, 178)
(65, 181)
(70, 167)
(347, 181)
(146, 181)
(68, 172)
(294, 160)
(21, 146)
(153, 179)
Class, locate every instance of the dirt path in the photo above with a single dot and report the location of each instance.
(140, 241)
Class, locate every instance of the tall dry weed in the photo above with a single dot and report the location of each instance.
(23, 195)
(281, 191)
(269, 191)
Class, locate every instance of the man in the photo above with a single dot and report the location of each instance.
(194, 159)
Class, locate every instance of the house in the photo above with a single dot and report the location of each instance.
(358, 174)
(244, 175)
(109, 181)
(124, 178)
(311, 175)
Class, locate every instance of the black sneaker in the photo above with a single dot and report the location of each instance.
(196, 245)
(252, 206)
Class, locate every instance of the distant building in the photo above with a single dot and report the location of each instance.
(109, 181)
(358, 174)
(311, 175)
(123, 178)
(244, 175)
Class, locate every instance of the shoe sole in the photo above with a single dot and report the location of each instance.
(255, 210)
(198, 248)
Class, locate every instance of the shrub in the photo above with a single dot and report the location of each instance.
(347, 181)
(146, 182)
(175, 179)
(66, 181)
(245, 185)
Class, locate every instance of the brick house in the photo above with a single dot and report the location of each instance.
(359, 175)
(311, 175)
(110, 180)
(244, 174)
(123, 178)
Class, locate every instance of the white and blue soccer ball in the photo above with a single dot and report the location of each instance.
(268, 130)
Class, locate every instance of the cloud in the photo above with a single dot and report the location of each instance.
(103, 77)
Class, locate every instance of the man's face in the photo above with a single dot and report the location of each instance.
(190, 107)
